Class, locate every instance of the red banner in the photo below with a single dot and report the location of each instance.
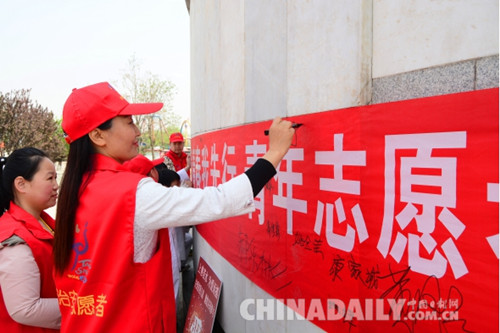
(381, 217)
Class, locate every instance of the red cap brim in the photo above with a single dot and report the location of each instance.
(158, 161)
(140, 108)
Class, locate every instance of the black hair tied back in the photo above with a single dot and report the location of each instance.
(22, 162)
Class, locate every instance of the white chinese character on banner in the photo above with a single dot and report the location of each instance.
(195, 158)
(255, 151)
(339, 158)
(227, 168)
(428, 182)
(204, 167)
(214, 172)
(492, 196)
(290, 178)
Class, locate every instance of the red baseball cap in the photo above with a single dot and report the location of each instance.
(158, 161)
(141, 164)
(88, 107)
(176, 137)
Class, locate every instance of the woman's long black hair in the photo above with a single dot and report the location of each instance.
(24, 162)
(79, 163)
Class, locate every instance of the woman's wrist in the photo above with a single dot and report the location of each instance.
(274, 157)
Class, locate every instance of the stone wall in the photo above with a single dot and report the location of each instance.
(252, 60)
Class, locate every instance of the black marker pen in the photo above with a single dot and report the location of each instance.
(294, 125)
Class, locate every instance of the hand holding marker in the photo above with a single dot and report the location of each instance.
(294, 125)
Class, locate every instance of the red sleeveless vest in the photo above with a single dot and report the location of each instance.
(179, 162)
(102, 289)
(17, 221)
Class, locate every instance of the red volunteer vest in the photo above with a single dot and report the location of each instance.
(179, 162)
(102, 289)
(17, 221)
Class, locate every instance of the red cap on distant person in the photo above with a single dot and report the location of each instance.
(176, 137)
(88, 107)
(141, 164)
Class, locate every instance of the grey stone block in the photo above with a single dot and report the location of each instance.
(487, 72)
(453, 78)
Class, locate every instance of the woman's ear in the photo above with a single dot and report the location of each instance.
(20, 184)
(97, 137)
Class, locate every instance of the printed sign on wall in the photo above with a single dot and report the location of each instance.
(382, 217)
(204, 300)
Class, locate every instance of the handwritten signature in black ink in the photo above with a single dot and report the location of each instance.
(424, 299)
(261, 261)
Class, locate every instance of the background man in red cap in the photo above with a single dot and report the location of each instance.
(176, 154)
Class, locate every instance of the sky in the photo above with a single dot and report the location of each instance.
(54, 46)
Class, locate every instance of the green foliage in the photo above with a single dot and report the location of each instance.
(26, 123)
(137, 87)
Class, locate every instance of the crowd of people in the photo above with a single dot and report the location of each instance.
(111, 259)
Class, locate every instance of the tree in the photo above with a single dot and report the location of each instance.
(137, 87)
(26, 123)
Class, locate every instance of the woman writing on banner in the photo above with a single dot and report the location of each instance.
(28, 299)
(112, 252)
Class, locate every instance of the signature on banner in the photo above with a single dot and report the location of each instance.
(428, 302)
(262, 262)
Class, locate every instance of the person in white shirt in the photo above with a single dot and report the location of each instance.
(96, 197)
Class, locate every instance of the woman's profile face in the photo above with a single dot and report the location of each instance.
(41, 190)
(121, 140)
